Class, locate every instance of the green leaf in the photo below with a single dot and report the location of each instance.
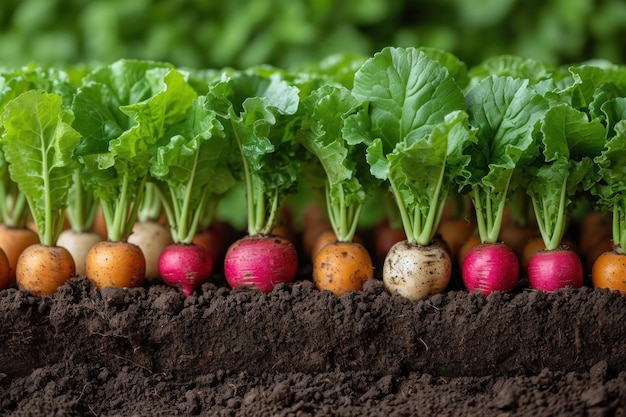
(423, 172)
(570, 142)
(506, 114)
(341, 154)
(192, 160)
(120, 111)
(415, 128)
(38, 143)
(408, 93)
(258, 111)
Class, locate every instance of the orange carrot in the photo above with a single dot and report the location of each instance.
(42, 269)
(342, 266)
(116, 264)
(609, 271)
(13, 241)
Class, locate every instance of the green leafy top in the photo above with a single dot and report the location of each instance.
(569, 141)
(13, 206)
(415, 128)
(38, 142)
(115, 149)
(506, 113)
(192, 160)
(342, 156)
(257, 109)
(608, 182)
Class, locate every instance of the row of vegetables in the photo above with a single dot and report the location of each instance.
(411, 128)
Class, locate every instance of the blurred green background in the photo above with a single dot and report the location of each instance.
(238, 33)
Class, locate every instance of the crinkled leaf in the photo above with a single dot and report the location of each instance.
(408, 93)
(505, 111)
(38, 143)
(196, 155)
(98, 106)
(610, 186)
(258, 109)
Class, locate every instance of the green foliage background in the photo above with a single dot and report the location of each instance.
(240, 33)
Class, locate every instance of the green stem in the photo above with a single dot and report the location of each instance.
(269, 224)
(435, 210)
(541, 220)
(119, 217)
(406, 219)
(619, 223)
(193, 225)
(48, 220)
(75, 209)
(489, 222)
(559, 227)
(480, 219)
(250, 197)
(184, 224)
(150, 208)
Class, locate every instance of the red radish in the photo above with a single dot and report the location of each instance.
(185, 266)
(260, 261)
(549, 270)
(490, 267)
(415, 271)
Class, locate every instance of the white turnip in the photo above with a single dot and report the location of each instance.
(490, 267)
(261, 262)
(415, 271)
(152, 237)
(185, 266)
(78, 244)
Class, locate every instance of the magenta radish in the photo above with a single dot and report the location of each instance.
(490, 267)
(185, 266)
(258, 111)
(549, 270)
(261, 262)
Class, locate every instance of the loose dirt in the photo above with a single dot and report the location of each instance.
(302, 352)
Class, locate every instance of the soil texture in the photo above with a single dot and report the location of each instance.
(298, 351)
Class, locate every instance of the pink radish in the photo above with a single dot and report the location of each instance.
(260, 261)
(550, 270)
(490, 267)
(185, 266)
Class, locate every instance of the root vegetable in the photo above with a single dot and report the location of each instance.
(185, 266)
(152, 237)
(415, 271)
(78, 244)
(609, 271)
(13, 241)
(116, 264)
(41, 269)
(5, 271)
(261, 262)
(550, 270)
(490, 267)
(340, 267)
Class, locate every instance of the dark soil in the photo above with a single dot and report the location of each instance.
(301, 352)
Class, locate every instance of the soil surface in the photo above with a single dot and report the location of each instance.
(301, 352)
